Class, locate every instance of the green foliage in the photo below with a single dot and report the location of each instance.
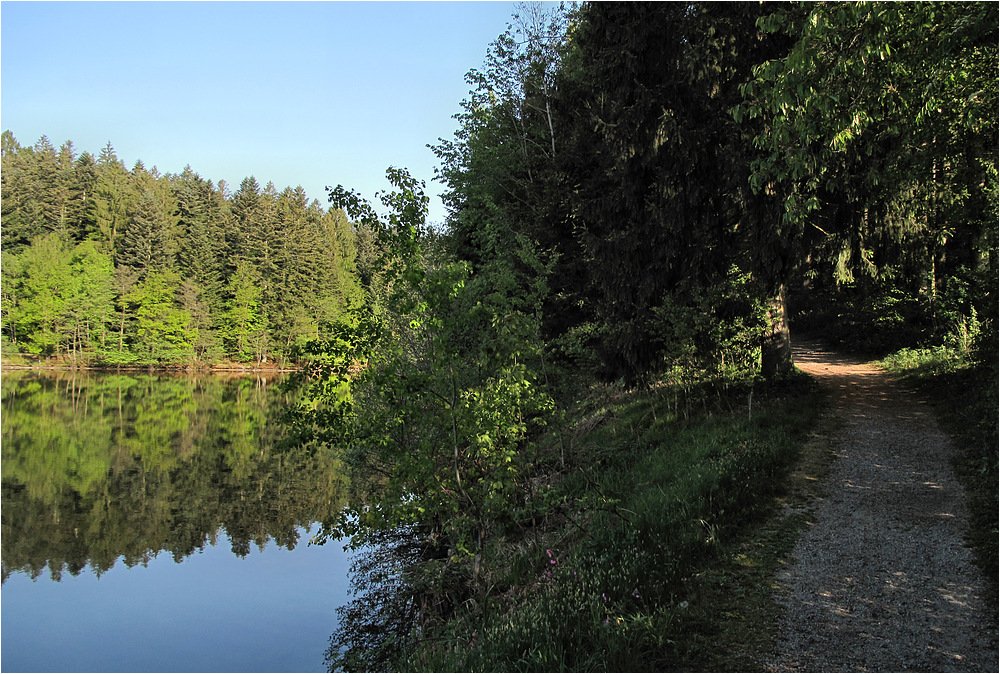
(434, 394)
(718, 332)
(499, 166)
(92, 291)
(660, 206)
(880, 132)
(57, 296)
(879, 316)
(614, 595)
(133, 224)
(244, 321)
(43, 275)
(162, 329)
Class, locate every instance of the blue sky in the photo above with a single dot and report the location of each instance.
(295, 93)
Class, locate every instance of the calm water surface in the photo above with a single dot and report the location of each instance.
(158, 523)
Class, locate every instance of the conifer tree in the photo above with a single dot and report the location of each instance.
(114, 199)
(660, 200)
(199, 257)
(19, 208)
(146, 245)
(248, 210)
(82, 192)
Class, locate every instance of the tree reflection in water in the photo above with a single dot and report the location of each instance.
(100, 466)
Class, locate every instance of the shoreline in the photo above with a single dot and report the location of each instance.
(187, 368)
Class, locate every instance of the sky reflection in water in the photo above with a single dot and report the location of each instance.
(270, 611)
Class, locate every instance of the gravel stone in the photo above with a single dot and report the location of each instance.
(881, 580)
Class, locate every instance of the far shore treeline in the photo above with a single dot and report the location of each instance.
(107, 265)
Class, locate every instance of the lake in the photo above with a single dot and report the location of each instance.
(159, 523)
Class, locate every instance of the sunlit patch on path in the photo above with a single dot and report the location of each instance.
(882, 580)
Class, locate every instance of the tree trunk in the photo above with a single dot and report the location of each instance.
(776, 348)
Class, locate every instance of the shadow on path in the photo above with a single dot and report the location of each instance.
(881, 579)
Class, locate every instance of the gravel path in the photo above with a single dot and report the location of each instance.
(881, 579)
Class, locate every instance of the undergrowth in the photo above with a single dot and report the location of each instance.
(645, 499)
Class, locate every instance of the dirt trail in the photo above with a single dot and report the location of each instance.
(881, 579)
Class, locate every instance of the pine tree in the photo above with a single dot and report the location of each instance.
(114, 200)
(248, 211)
(20, 212)
(83, 208)
(51, 192)
(146, 245)
(297, 263)
(199, 258)
(659, 168)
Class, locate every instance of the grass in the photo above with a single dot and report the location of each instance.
(658, 542)
(734, 628)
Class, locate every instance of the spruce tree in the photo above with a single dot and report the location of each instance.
(199, 258)
(20, 210)
(83, 190)
(659, 169)
(146, 244)
(114, 200)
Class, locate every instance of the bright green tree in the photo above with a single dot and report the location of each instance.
(45, 281)
(162, 331)
(434, 389)
(244, 324)
(90, 298)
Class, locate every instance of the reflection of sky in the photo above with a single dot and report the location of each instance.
(272, 611)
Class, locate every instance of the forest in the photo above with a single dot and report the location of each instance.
(561, 402)
(103, 265)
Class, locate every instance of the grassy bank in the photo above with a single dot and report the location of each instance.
(653, 549)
